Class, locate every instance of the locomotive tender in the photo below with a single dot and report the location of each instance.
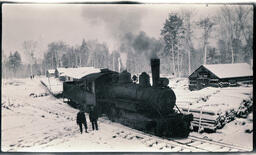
(140, 106)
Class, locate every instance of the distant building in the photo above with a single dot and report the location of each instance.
(71, 74)
(60, 73)
(220, 75)
(50, 73)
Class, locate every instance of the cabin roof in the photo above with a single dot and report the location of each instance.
(230, 70)
(223, 71)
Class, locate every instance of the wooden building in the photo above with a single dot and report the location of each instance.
(220, 75)
(50, 73)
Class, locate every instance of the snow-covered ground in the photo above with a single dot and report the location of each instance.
(210, 98)
(47, 124)
(54, 84)
(218, 100)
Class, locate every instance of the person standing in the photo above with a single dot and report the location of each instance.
(93, 116)
(81, 120)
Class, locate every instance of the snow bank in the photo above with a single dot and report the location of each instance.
(53, 84)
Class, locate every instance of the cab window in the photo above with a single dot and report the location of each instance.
(89, 86)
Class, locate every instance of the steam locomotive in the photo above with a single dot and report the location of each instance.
(140, 106)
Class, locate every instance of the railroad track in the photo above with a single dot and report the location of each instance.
(189, 144)
(209, 145)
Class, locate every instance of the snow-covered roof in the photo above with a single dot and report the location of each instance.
(230, 70)
(78, 73)
(61, 70)
(51, 71)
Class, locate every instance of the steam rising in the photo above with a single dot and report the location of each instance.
(123, 25)
(141, 44)
(117, 20)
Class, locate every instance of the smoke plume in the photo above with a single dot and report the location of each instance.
(118, 20)
(141, 44)
(122, 24)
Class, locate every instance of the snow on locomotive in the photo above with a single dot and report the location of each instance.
(140, 106)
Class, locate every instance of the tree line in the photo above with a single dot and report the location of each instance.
(186, 42)
(231, 30)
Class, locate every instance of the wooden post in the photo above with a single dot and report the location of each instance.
(191, 125)
(200, 119)
(49, 84)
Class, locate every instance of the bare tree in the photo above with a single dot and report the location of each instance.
(29, 48)
(236, 27)
(187, 19)
(244, 27)
(4, 65)
(206, 24)
(227, 15)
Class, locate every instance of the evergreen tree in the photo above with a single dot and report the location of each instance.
(172, 32)
(84, 54)
(14, 62)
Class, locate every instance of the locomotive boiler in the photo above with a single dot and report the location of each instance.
(140, 106)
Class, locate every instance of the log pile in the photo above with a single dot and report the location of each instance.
(211, 120)
(205, 119)
(245, 108)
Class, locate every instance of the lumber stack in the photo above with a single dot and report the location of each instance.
(245, 108)
(205, 119)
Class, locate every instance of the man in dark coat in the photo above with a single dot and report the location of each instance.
(93, 115)
(81, 119)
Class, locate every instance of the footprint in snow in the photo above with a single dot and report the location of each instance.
(20, 140)
(67, 129)
(11, 145)
(138, 137)
(46, 137)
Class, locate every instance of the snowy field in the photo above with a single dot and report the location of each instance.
(45, 124)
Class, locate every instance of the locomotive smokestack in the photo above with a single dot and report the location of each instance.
(155, 69)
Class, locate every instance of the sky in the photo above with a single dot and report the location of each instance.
(72, 23)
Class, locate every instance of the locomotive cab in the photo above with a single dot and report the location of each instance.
(88, 90)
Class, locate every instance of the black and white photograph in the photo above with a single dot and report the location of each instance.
(83, 77)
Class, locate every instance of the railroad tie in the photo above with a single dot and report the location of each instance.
(186, 150)
(161, 145)
(176, 149)
(150, 142)
(196, 143)
(210, 147)
(225, 149)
